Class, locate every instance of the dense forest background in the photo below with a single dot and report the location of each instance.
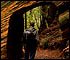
(52, 22)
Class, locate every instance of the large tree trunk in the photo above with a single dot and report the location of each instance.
(51, 14)
(15, 33)
(48, 15)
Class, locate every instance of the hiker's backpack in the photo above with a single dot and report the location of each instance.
(30, 33)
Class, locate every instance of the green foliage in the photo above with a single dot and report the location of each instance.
(33, 16)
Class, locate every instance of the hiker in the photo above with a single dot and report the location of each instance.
(31, 37)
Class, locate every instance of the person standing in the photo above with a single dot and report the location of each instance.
(32, 40)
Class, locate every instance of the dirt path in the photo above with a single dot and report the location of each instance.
(47, 54)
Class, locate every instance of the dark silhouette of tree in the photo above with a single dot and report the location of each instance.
(48, 15)
(15, 33)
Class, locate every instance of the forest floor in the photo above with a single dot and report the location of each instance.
(47, 54)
